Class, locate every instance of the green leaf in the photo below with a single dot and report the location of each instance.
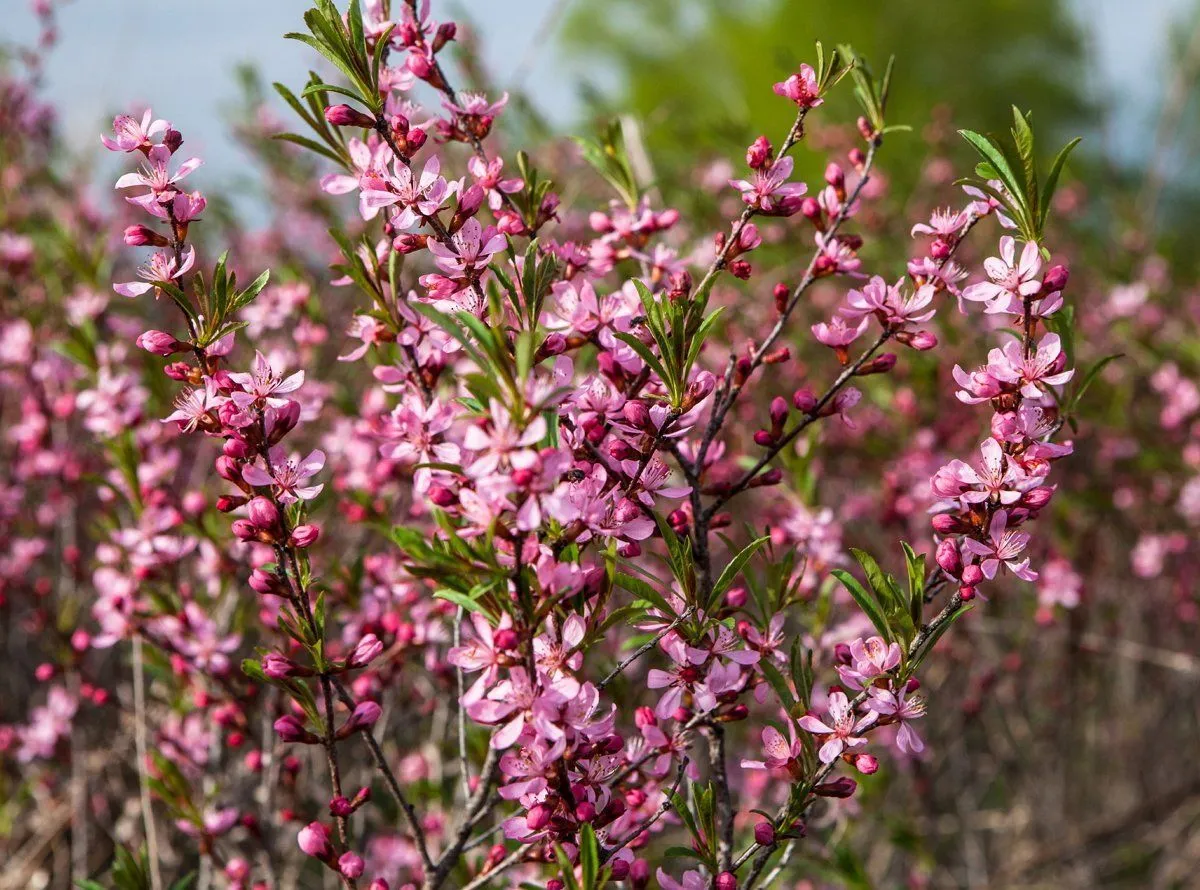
(1091, 375)
(779, 685)
(932, 639)
(916, 582)
(731, 571)
(866, 601)
(1056, 169)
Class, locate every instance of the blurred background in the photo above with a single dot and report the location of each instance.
(1068, 718)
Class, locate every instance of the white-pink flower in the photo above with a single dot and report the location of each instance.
(841, 731)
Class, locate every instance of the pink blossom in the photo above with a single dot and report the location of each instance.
(160, 269)
(155, 174)
(262, 386)
(801, 88)
(837, 334)
(1011, 281)
(901, 708)
(287, 474)
(134, 135)
(781, 753)
(1003, 545)
(841, 730)
(769, 191)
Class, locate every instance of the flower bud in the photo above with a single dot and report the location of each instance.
(345, 116)
(291, 729)
(972, 574)
(278, 667)
(922, 341)
(366, 714)
(160, 343)
(304, 536)
(764, 834)
(866, 763)
(1056, 279)
(266, 583)
(538, 817)
(314, 840)
(805, 400)
(637, 414)
(948, 557)
(144, 236)
(172, 139)
(841, 787)
(758, 155)
(505, 639)
(350, 864)
(881, 364)
(585, 812)
(736, 597)
(245, 530)
(644, 717)
(367, 650)
(725, 881)
(263, 513)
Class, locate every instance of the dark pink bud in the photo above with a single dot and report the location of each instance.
(866, 764)
(972, 574)
(967, 593)
(585, 812)
(291, 729)
(160, 343)
(180, 371)
(736, 597)
(538, 817)
(471, 200)
(763, 439)
(619, 869)
(805, 400)
(445, 33)
(841, 653)
(946, 524)
(144, 236)
(442, 496)
(345, 116)
(810, 208)
(940, 249)
(265, 583)
(314, 840)
(172, 139)
(881, 364)
(948, 557)
(834, 176)
(725, 881)
(758, 155)
(278, 667)
(366, 714)
(779, 410)
(764, 834)
(228, 469)
(1039, 497)
(922, 341)
(644, 717)
(1056, 279)
(841, 787)
(227, 503)
(368, 649)
(245, 530)
(350, 864)
(263, 513)
(304, 536)
(637, 414)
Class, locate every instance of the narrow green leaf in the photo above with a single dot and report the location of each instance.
(866, 602)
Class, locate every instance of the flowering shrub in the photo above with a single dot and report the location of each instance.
(533, 585)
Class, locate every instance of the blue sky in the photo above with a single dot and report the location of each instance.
(179, 56)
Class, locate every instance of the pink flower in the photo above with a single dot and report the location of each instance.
(369, 331)
(1011, 281)
(901, 708)
(133, 135)
(471, 249)
(868, 660)
(996, 479)
(1042, 368)
(692, 880)
(837, 334)
(419, 198)
(769, 192)
(262, 386)
(194, 406)
(840, 731)
(944, 223)
(287, 475)
(483, 653)
(891, 304)
(1003, 545)
(487, 176)
(160, 269)
(155, 175)
(781, 754)
(802, 88)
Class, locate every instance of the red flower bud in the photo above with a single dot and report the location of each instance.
(345, 116)
(764, 834)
